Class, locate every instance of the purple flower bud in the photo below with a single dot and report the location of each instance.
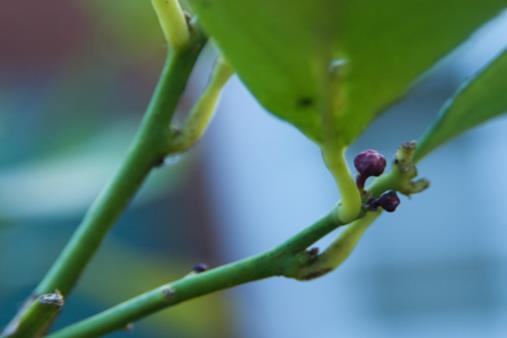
(389, 201)
(200, 267)
(369, 163)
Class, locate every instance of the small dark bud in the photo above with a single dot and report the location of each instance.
(159, 162)
(313, 251)
(370, 163)
(389, 201)
(200, 267)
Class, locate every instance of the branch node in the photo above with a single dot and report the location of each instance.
(54, 299)
(169, 294)
(32, 320)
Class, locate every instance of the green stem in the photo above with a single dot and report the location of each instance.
(201, 114)
(272, 263)
(384, 183)
(339, 250)
(173, 22)
(192, 286)
(290, 259)
(350, 206)
(34, 318)
(400, 178)
(146, 151)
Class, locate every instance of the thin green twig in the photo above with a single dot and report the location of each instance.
(273, 263)
(173, 22)
(339, 250)
(34, 320)
(290, 259)
(202, 112)
(146, 152)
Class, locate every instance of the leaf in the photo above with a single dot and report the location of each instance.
(389, 44)
(281, 51)
(278, 48)
(477, 101)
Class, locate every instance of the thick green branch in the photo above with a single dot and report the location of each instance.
(35, 316)
(290, 259)
(146, 151)
(273, 263)
(190, 287)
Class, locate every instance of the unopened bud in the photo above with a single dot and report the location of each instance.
(369, 163)
(200, 267)
(389, 201)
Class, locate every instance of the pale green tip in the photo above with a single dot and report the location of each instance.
(172, 21)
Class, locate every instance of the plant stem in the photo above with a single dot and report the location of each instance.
(202, 112)
(339, 250)
(290, 259)
(400, 178)
(146, 151)
(272, 263)
(172, 21)
(192, 286)
(37, 313)
(350, 205)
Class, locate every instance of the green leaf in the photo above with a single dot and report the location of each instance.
(282, 50)
(389, 44)
(479, 100)
(279, 49)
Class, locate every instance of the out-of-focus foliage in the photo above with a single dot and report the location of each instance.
(131, 24)
(283, 50)
(475, 102)
(65, 126)
(79, 172)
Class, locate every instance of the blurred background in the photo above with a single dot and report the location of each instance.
(75, 77)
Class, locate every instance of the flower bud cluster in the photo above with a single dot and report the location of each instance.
(371, 163)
